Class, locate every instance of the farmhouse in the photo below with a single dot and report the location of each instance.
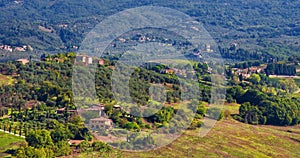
(168, 71)
(23, 61)
(86, 60)
(101, 62)
(100, 123)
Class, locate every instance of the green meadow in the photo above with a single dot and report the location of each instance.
(8, 142)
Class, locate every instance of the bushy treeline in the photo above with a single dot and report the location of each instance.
(280, 69)
(241, 54)
(247, 64)
(265, 100)
(54, 143)
(259, 108)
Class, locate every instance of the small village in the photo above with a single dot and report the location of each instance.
(9, 48)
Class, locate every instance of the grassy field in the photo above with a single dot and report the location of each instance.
(284, 76)
(7, 142)
(297, 81)
(229, 138)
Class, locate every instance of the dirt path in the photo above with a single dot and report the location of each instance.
(284, 76)
(11, 133)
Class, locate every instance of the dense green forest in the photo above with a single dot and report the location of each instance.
(263, 27)
(281, 69)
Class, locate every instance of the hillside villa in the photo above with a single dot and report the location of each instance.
(100, 123)
(86, 60)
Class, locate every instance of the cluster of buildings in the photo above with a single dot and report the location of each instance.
(144, 39)
(82, 59)
(141, 39)
(181, 72)
(207, 49)
(16, 49)
(6, 47)
(63, 110)
(87, 60)
(246, 73)
(21, 49)
(100, 122)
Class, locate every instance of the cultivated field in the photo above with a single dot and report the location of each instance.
(229, 138)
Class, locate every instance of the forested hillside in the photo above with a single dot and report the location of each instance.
(56, 25)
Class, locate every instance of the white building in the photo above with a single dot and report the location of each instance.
(84, 59)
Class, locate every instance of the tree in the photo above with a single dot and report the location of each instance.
(76, 120)
(60, 134)
(201, 110)
(10, 127)
(289, 85)
(255, 79)
(132, 126)
(250, 114)
(39, 139)
(62, 148)
(101, 147)
(26, 151)
(253, 96)
(244, 108)
(215, 113)
(84, 146)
